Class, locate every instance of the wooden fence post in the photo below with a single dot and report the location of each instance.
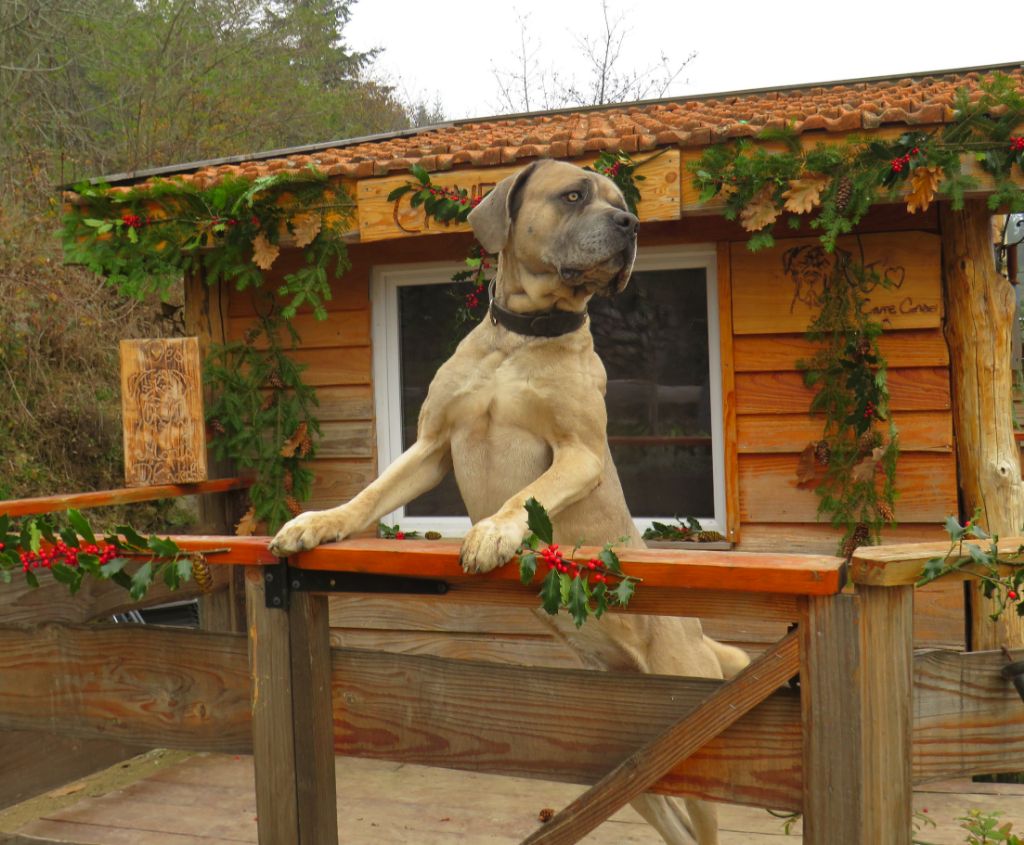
(856, 698)
(292, 723)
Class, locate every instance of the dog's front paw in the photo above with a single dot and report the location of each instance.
(491, 543)
(307, 531)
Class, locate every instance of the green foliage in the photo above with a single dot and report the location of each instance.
(1001, 575)
(848, 374)
(621, 169)
(983, 828)
(124, 556)
(687, 529)
(860, 170)
(585, 589)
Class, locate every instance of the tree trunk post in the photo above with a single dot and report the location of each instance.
(980, 311)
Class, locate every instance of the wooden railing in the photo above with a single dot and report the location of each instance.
(867, 721)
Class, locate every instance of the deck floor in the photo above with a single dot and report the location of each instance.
(208, 799)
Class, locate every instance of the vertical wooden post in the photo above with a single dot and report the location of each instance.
(980, 311)
(292, 724)
(206, 315)
(855, 694)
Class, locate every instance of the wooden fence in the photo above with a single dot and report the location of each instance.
(867, 720)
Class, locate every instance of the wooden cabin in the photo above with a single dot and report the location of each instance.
(708, 411)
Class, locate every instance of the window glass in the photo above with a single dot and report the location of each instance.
(653, 340)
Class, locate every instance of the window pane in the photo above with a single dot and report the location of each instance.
(653, 339)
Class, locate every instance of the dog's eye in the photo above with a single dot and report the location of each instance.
(574, 196)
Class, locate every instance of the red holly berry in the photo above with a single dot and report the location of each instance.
(2, 547)
(1012, 595)
(1017, 143)
(399, 535)
(967, 524)
(132, 221)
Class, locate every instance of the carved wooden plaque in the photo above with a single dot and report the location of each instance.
(162, 409)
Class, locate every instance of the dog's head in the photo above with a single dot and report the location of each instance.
(562, 225)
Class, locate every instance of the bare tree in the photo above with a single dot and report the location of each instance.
(528, 85)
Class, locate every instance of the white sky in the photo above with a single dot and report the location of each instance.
(739, 44)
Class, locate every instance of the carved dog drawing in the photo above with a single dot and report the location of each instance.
(518, 411)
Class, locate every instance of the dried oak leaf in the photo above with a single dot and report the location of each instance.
(761, 211)
(294, 442)
(804, 194)
(805, 468)
(306, 227)
(924, 182)
(264, 252)
(865, 469)
(247, 524)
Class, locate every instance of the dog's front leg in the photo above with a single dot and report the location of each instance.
(575, 470)
(419, 469)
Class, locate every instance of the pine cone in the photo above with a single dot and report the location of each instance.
(885, 511)
(863, 346)
(293, 505)
(288, 482)
(217, 427)
(858, 538)
(202, 574)
(274, 380)
(268, 401)
(305, 446)
(433, 535)
(822, 453)
(708, 537)
(843, 192)
(868, 441)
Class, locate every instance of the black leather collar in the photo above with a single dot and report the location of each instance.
(535, 323)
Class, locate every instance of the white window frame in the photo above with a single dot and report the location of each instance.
(385, 280)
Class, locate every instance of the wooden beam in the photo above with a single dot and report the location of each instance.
(121, 496)
(729, 409)
(902, 564)
(980, 311)
(642, 769)
(292, 729)
(856, 698)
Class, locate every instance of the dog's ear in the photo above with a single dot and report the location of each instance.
(492, 219)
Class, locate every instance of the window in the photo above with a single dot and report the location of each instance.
(659, 343)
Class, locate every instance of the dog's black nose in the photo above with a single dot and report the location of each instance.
(626, 221)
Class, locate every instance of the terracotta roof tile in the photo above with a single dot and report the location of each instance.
(840, 107)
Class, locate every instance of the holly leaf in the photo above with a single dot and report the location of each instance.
(400, 192)
(527, 567)
(564, 585)
(610, 560)
(538, 521)
(578, 601)
(804, 194)
(81, 525)
(550, 593)
(113, 566)
(978, 555)
(953, 527)
(933, 569)
(599, 594)
(141, 580)
(163, 547)
(420, 174)
(30, 578)
(131, 536)
(924, 182)
(623, 592)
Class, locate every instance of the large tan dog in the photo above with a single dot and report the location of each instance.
(522, 414)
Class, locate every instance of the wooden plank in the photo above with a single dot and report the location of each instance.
(967, 718)
(779, 289)
(680, 569)
(325, 367)
(769, 490)
(340, 329)
(335, 482)
(643, 768)
(36, 762)
(885, 566)
(162, 411)
(380, 219)
(912, 389)
(121, 496)
(345, 403)
(920, 431)
(728, 374)
(345, 440)
(855, 682)
(780, 352)
(818, 538)
(409, 613)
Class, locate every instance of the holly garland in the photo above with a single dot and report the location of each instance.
(1001, 576)
(836, 183)
(585, 589)
(73, 553)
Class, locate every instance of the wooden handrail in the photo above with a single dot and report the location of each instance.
(748, 572)
(902, 564)
(120, 496)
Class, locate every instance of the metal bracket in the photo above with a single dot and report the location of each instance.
(280, 580)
